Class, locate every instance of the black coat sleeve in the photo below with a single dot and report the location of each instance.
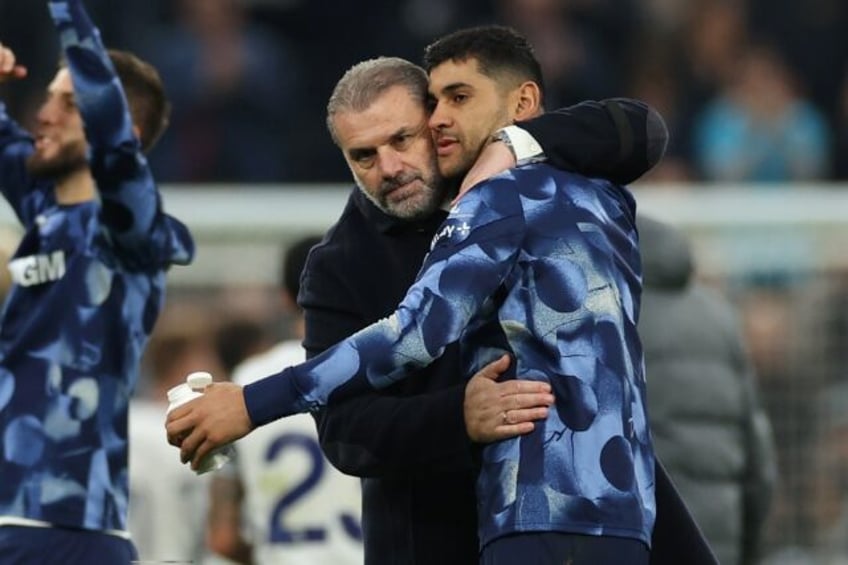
(379, 434)
(619, 139)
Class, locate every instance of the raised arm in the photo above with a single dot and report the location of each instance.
(97, 89)
(16, 145)
(131, 203)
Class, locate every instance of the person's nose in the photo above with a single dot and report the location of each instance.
(391, 162)
(46, 112)
(439, 118)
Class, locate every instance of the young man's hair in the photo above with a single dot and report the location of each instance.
(501, 53)
(145, 93)
(363, 83)
(148, 104)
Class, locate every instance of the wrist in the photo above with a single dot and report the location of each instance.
(521, 143)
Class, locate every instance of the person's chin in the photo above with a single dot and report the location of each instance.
(450, 167)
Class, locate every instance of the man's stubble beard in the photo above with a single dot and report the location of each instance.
(431, 196)
(70, 159)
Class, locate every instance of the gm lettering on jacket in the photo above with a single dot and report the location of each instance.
(38, 269)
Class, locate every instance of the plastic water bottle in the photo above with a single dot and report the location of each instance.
(194, 386)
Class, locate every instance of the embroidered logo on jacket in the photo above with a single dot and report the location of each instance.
(38, 269)
(454, 231)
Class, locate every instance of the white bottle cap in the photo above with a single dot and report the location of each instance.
(179, 394)
(199, 380)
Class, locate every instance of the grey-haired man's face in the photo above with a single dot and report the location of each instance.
(389, 149)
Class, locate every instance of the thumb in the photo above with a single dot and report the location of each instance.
(496, 368)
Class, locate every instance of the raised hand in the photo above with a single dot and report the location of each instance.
(9, 68)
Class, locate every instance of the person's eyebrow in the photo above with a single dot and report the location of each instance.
(452, 87)
(359, 152)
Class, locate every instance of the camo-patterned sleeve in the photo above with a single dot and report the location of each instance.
(132, 210)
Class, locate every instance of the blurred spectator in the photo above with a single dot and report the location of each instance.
(654, 81)
(582, 46)
(681, 66)
(283, 502)
(773, 333)
(829, 500)
(234, 89)
(708, 426)
(714, 38)
(237, 339)
(167, 500)
(759, 128)
(812, 39)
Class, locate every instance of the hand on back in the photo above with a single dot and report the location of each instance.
(496, 410)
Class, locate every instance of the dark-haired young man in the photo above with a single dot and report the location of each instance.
(89, 281)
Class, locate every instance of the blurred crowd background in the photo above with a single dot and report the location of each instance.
(753, 90)
(755, 93)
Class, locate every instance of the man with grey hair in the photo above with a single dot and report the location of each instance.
(353, 96)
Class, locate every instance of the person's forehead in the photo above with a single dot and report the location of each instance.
(454, 73)
(393, 111)
(61, 82)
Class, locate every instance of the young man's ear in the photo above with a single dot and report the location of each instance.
(528, 102)
(136, 132)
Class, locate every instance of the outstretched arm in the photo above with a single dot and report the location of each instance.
(461, 272)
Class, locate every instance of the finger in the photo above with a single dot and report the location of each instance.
(188, 449)
(527, 415)
(512, 430)
(201, 452)
(9, 66)
(519, 401)
(178, 429)
(518, 386)
(7, 60)
(494, 369)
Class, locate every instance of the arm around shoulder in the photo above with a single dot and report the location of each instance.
(619, 139)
